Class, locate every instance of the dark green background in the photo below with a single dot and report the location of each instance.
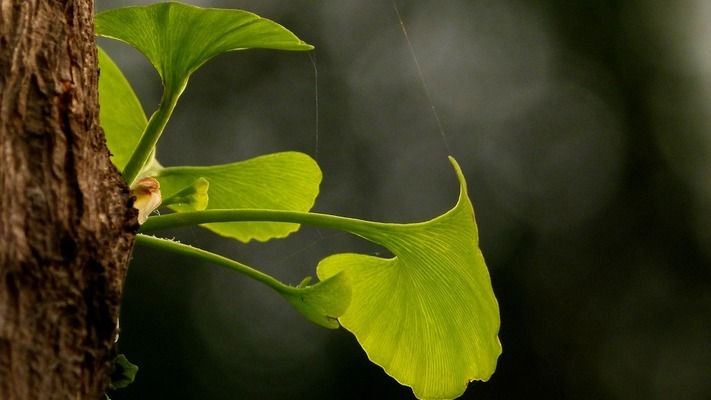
(583, 129)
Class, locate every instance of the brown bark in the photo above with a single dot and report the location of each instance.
(66, 225)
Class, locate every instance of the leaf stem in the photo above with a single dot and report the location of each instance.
(150, 135)
(367, 229)
(204, 255)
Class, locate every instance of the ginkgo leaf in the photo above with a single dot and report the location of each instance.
(428, 315)
(282, 181)
(178, 38)
(121, 114)
(321, 303)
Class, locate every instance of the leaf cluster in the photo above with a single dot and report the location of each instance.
(428, 315)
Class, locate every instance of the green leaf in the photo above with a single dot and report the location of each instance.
(428, 316)
(282, 181)
(121, 114)
(123, 374)
(321, 303)
(191, 198)
(178, 38)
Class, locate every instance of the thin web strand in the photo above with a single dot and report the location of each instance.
(312, 58)
(421, 77)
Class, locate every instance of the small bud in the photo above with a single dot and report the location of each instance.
(147, 192)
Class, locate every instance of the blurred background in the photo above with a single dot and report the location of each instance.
(583, 127)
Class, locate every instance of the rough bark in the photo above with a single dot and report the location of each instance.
(66, 224)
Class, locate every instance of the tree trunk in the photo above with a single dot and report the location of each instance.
(66, 222)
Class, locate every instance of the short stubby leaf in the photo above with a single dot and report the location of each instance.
(178, 38)
(280, 181)
(428, 316)
(121, 114)
(323, 302)
(193, 197)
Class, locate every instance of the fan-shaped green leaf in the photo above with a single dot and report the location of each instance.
(282, 181)
(121, 114)
(321, 303)
(428, 316)
(178, 38)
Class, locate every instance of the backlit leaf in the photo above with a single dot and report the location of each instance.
(121, 114)
(178, 38)
(281, 181)
(428, 316)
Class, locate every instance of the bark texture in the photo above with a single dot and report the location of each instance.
(66, 222)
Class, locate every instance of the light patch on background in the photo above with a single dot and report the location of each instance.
(492, 72)
(550, 168)
(481, 61)
(680, 100)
